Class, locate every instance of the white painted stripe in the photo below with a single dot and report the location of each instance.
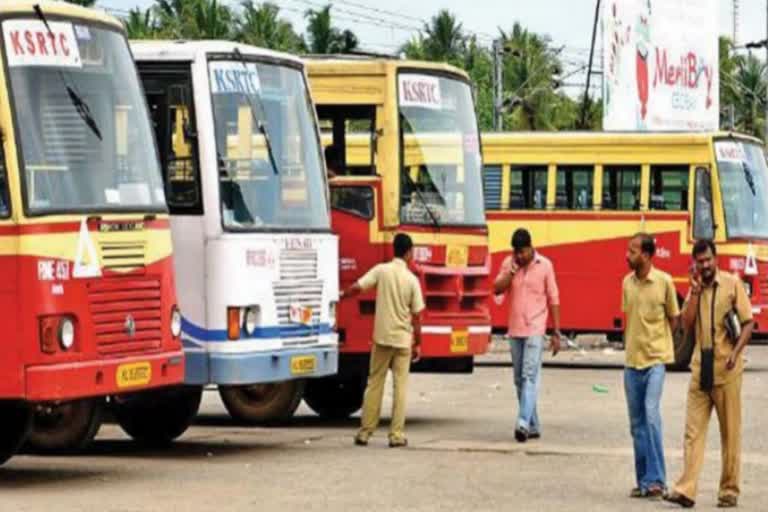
(447, 329)
(261, 345)
(756, 310)
(480, 329)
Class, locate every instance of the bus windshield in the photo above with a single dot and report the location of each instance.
(270, 170)
(82, 122)
(744, 185)
(441, 182)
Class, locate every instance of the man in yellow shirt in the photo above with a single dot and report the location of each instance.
(649, 301)
(396, 338)
(716, 374)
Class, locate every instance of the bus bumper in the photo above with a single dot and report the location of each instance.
(447, 341)
(257, 367)
(70, 381)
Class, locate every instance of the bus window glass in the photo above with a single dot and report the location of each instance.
(270, 167)
(574, 187)
(528, 187)
(170, 104)
(703, 223)
(744, 185)
(441, 180)
(349, 136)
(354, 200)
(669, 187)
(492, 186)
(86, 141)
(621, 187)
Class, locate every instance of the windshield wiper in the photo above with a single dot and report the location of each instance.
(749, 178)
(423, 200)
(260, 125)
(81, 107)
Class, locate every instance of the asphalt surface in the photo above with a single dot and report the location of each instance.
(462, 454)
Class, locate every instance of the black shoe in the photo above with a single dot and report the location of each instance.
(679, 499)
(361, 440)
(534, 435)
(521, 435)
(400, 442)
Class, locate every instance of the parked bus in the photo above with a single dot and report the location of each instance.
(246, 187)
(583, 196)
(408, 160)
(87, 285)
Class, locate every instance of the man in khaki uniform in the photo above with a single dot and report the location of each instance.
(396, 337)
(649, 301)
(717, 368)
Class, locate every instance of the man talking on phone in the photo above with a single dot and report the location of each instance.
(715, 299)
(529, 280)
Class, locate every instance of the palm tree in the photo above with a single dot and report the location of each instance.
(529, 70)
(84, 3)
(323, 37)
(140, 25)
(748, 91)
(208, 19)
(444, 38)
(261, 26)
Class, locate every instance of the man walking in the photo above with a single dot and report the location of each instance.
(715, 298)
(649, 302)
(396, 338)
(529, 279)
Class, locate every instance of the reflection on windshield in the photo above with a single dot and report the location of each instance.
(269, 160)
(441, 153)
(744, 184)
(83, 124)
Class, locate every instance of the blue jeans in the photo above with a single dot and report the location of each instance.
(643, 389)
(526, 358)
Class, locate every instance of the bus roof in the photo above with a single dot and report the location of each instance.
(59, 9)
(191, 50)
(372, 65)
(608, 138)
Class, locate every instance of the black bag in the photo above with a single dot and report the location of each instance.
(732, 326)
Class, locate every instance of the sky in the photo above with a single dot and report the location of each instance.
(384, 26)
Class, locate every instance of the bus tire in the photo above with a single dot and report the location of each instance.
(157, 418)
(335, 397)
(257, 404)
(14, 427)
(66, 427)
(684, 343)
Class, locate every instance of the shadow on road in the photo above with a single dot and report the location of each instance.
(16, 478)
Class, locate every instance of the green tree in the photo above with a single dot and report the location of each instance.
(261, 26)
(323, 37)
(444, 38)
(84, 3)
(141, 24)
(748, 89)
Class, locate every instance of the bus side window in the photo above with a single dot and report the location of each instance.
(621, 187)
(528, 187)
(355, 200)
(169, 95)
(5, 209)
(351, 130)
(575, 184)
(703, 222)
(492, 186)
(669, 187)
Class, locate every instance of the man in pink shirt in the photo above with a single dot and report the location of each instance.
(529, 279)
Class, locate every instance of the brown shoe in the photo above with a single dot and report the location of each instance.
(361, 439)
(679, 499)
(728, 501)
(398, 442)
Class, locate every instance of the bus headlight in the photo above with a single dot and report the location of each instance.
(332, 313)
(175, 322)
(251, 320)
(66, 333)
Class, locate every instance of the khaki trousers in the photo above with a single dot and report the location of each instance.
(726, 400)
(385, 358)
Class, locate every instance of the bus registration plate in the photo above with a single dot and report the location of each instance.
(302, 365)
(457, 256)
(460, 341)
(133, 374)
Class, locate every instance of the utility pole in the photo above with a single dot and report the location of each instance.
(498, 84)
(585, 105)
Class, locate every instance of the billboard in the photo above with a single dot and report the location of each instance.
(660, 65)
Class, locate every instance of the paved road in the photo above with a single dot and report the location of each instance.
(462, 456)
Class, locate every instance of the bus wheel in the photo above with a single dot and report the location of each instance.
(335, 397)
(684, 343)
(66, 427)
(156, 418)
(262, 403)
(14, 427)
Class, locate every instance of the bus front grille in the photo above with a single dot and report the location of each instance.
(307, 294)
(298, 265)
(123, 256)
(127, 315)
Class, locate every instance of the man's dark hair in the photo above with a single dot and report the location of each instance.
(701, 246)
(647, 244)
(521, 239)
(402, 244)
